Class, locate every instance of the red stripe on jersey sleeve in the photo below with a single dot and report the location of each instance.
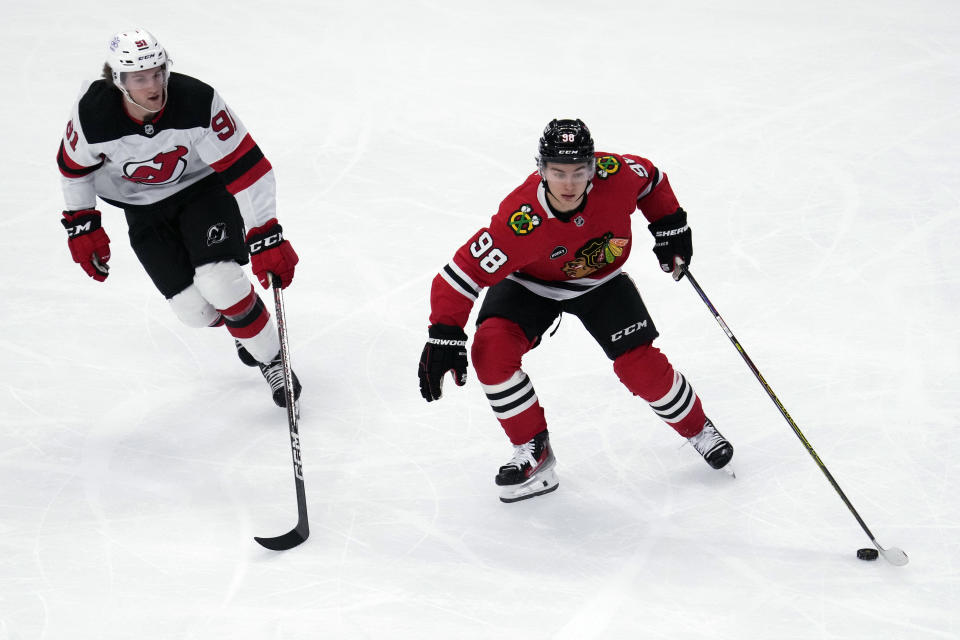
(255, 172)
(227, 161)
(71, 169)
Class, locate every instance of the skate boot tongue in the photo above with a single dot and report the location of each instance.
(273, 374)
(711, 444)
(530, 471)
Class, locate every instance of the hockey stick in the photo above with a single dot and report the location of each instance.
(893, 555)
(300, 532)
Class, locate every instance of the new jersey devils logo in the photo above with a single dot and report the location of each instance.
(163, 168)
(216, 234)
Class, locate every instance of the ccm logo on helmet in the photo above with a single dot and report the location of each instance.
(625, 332)
(265, 243)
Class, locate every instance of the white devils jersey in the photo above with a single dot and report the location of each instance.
(194, 140)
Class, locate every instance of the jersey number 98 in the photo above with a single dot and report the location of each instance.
(494, 258)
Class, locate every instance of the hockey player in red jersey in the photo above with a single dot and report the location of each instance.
(558, 244)
(198, 194)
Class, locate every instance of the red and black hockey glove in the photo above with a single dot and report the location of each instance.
(88, 242)
(673, 242)
(446, 350)
(270, 253)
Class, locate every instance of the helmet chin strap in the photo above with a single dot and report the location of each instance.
(126, 94)
(563, 216)
(546, 186)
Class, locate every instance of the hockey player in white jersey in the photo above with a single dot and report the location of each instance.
(198, 194)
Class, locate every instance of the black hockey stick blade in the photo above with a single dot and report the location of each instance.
(289, 540)
(299, 533)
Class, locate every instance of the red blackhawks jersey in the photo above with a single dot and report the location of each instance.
(528, 244)
(194, 141)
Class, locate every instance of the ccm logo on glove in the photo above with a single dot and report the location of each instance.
(270, 253)
(88, 242)
(262, 244)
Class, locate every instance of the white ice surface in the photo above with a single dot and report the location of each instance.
(814, 145)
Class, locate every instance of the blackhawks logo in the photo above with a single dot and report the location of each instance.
(523, 220)
(607, 166)
(595, 255)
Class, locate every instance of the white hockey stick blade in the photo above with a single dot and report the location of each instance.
(894, 556)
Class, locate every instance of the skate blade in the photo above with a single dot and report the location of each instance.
(542, 482)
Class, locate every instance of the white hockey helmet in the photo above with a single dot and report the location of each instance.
(135, 50)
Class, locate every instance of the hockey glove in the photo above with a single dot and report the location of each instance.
(673, 242)
(446, 350)
(270, 253)
(88, 242)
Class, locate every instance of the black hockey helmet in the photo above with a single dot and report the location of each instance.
(565, 141)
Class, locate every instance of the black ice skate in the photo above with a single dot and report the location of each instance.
(530, 472)
(244, 355)
(711, 444)
(273, 374)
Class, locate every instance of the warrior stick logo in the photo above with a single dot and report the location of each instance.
(163, 168)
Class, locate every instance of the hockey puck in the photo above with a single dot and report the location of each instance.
(867, 554)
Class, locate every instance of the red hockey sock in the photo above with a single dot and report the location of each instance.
(247, 317)
(497, 351)
(249, 321)
(647, 373)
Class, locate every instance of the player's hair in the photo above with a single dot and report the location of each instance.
(107, 73)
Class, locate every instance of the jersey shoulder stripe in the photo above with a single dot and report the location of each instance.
(103, 119)
(99, 110)
(189, 103)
